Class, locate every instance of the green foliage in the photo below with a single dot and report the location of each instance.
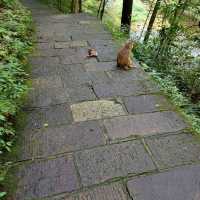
(15, 45)
(168, 86)
(62, 5)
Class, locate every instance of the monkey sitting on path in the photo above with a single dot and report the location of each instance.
(124, 60)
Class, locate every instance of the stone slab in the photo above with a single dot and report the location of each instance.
(176, 184)
(101, 43)
(107, 54)
(100, 109)
(113, 161)
(44, 178)
(72, 44)
(73, 59)
(55, 140)
(47, 82)
(41, 61)
(143, 125)
(114, 191)
(175, 150)
(78, 35)
(56, 52)
(51, 116)
(80, 93)
(100, 66)
(127, 76)
(146, 103)
(44, 45)
(99, 77)
(151, 86)
(119, 89)
(73, 75)
(43, 97)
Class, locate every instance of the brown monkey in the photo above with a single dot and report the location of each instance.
(124, 60)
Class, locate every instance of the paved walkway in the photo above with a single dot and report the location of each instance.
(95, 132)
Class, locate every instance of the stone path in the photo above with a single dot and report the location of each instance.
(94, 132)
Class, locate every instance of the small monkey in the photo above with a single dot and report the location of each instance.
(124, 60)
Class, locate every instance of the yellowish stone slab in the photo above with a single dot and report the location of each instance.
(92, 110)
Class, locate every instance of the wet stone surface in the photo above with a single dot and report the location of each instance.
(96, 110)
(51, 141)
(114, 191)
(44, 178)
(175, 150)
(104, 163)
(177, 184)
(146, 103)
(143, 125)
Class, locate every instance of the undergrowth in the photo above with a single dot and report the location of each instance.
(15, 45)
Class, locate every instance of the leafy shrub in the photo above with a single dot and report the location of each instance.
(15, 45)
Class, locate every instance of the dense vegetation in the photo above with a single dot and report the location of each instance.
(62, 5)
(15, 44)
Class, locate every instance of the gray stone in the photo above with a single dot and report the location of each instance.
(100, 66)
(44, 45)
(143, 124)
(45, 71)
(43, 97)
(96, 43)
(41, 61)
(78, 35)
(80, 93)
(53, 116)
(55, 140)
(91, 110)
(113, 161)
(73, 59)
(146, 103)
(47, 82)
(113, 191)
(107, 54)
(68, 52)
(177, 184)
(99, 77)
(73, 75)
(175, 150)
(151, 86)
(72, 44)
(119, 89)
(127, 76)
(49, 177)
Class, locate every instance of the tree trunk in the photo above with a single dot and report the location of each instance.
(126, 15)
(76, 6)
(152, 19)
